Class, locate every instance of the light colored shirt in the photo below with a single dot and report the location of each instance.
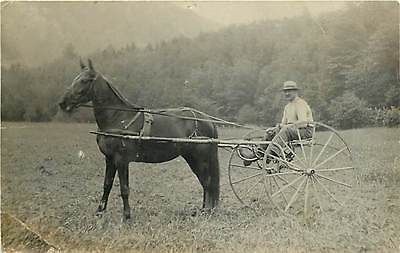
(297, 111)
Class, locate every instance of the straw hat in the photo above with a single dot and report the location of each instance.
(290, 85)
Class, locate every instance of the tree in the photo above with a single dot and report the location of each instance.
(348, 111)
(236, 73)
(247, 114)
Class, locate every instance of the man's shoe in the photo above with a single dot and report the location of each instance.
(246, 153)
(246, 163)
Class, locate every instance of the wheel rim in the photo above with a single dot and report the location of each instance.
(246, 181)
(319, 176)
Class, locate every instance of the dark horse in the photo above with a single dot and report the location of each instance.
(90, 85)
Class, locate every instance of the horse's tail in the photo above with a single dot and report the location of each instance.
(211, 177)
(214, 166)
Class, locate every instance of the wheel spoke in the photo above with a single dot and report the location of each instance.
(251, 188)
(323, 149)
(283, 173)
(291, 150)
(291, 165)
(314, 182)
(270, 184)
(312, 146)
(334, 181)
(327, 191)
(283, 194)
(301, 145)
(247, 178)
(306, 202)
(265, 185)
(245, 167)
(295, 195)
(284, 180)
(336, 169)
(330, 158)
(286, 186)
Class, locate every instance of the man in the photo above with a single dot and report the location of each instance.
(295, 116)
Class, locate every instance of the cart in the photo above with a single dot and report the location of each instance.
(314, 174)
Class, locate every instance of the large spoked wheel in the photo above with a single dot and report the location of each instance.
(311, 174)
(246, 172)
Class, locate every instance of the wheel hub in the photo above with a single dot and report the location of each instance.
(309, 172)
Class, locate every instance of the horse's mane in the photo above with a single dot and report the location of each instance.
(119, 95)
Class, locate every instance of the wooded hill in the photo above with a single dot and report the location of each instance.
(346, 63)
(36, 32)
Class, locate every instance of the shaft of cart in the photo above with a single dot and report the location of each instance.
(196, 140)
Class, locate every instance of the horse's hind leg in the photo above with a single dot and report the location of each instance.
(123, 174)
(211, 198)
(108, 183)
(204, 163)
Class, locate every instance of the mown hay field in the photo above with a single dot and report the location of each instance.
(48, 187)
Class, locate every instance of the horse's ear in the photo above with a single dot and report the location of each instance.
(81, 63)
(90, 64)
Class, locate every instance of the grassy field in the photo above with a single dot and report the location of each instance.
(48, 187)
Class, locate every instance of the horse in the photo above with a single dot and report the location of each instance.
(91, 86)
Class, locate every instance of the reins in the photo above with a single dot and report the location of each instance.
(134, 108)
(161, 112)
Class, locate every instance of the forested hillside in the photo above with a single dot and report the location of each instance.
(36, 32)
(347, 63)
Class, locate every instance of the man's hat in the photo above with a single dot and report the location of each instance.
(290, 85)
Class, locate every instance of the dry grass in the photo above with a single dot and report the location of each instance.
(47, 186)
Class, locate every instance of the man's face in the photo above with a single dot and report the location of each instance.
(290, 95)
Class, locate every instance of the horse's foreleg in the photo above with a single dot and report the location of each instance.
(108, 183)
(123, 174)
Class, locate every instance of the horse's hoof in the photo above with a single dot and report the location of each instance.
(126, 216)
(127, 219)
(101, 208)
(193, 213)
(205, 211)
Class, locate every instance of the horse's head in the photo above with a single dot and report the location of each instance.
(81, 89)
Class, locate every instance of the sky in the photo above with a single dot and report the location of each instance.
(40, 38)
(232, 12)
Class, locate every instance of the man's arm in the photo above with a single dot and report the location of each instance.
(284, 118)
(303, 111)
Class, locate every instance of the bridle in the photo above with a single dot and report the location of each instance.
(90, 89)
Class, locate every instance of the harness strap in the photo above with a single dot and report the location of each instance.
(132, 120)
(148, 121)
(196, 125)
